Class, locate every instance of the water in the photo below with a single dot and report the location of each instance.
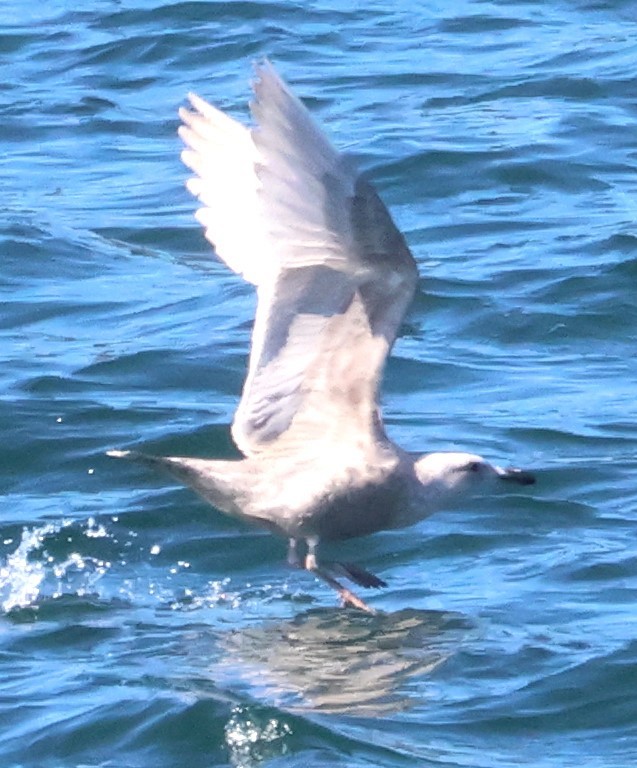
(140, 628)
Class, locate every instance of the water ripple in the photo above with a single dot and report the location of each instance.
(138, 626)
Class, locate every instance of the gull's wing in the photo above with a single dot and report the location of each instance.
(333, 274)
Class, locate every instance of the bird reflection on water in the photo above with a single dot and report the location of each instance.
(332, 661)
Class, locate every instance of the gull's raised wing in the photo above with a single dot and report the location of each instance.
(334, 276)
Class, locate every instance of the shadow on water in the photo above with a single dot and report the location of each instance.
(340, 661)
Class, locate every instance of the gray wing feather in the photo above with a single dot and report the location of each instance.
(334, 277)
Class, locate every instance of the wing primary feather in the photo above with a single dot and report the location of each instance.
(334, 275)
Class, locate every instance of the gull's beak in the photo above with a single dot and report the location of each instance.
(515, 475)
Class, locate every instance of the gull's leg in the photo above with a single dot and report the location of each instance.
(348, 597)
(311, 562)
(293, 553)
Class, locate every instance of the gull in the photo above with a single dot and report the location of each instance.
(334, 278)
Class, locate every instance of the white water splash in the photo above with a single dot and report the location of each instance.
(20, 577)
(252, 737)
(29, 573)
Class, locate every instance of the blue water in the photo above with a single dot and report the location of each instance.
(139, 627)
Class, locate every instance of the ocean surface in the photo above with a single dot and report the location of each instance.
(139, 627)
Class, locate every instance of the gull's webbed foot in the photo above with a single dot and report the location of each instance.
(346, 595)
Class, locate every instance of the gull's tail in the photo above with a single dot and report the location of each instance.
(220, 483)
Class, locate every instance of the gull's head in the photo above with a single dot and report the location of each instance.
(450, 475)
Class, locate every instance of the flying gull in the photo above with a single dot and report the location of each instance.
(334, 278)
